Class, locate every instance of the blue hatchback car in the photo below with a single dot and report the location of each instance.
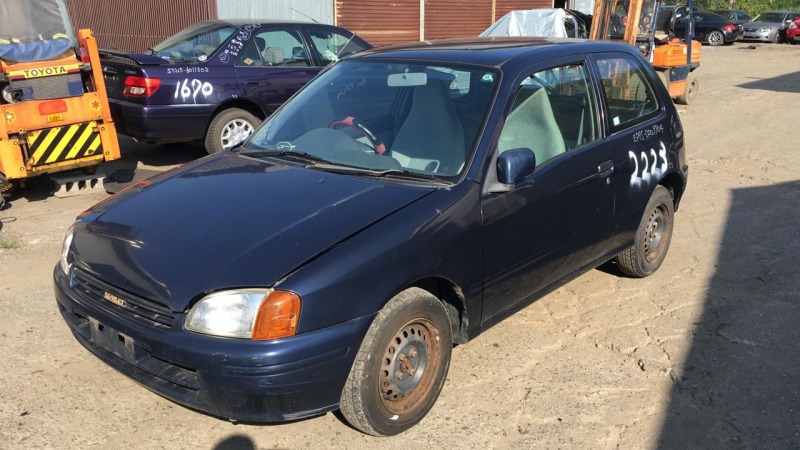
(404, 201)
(215, 81)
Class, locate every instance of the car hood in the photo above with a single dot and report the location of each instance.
(232, 222)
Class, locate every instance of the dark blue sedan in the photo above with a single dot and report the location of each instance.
(216, 81)
(404, 201)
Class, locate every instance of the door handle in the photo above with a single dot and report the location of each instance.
(605, 168)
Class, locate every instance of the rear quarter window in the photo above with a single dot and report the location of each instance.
(629, 94)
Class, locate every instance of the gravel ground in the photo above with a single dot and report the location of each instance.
(703, 354)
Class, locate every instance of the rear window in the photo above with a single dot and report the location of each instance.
(630, 96)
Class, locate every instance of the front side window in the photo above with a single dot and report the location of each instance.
(552, 112)
(333, 45)
(629, 95)
(274, 48)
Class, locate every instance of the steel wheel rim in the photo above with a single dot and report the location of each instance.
(408, 366)
(655, 233)
(234, 132)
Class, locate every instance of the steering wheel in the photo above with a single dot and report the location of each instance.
(353, 123)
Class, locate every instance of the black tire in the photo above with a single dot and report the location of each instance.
(652, 237)
(690, 92)
(228, 128)
(776, 39)
(401, 366)
(715, 38)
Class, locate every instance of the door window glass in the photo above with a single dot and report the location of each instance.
(333, 45)
(552, 113)
(629, 95)
(274, 48)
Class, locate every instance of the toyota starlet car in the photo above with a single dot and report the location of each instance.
(403, 202)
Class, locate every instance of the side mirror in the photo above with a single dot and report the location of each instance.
(514, 165)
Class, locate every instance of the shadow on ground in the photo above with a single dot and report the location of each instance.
(740, 383)
(140, 161)
(789, 82)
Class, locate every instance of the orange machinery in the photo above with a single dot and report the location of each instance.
(54, 113)
(645, 24)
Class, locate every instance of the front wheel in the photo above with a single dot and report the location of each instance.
(715, 38)
(401, 366)
(652, 237)
(229, 128)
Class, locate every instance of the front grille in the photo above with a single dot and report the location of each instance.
(47, 88)
(751, 30)
(94, 290)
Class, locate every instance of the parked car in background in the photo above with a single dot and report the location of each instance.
(215, 81)
(769, 26)
(734, 15)
(739, 18)
(793, 32)
(709, 27)
(403, 202)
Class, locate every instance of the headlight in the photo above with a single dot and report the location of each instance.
(65, 250)
(257, 314)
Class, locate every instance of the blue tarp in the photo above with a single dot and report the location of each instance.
(34, 51)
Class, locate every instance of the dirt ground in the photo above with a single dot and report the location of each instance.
(703, 354)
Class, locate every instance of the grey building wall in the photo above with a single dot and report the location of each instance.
(303, 10)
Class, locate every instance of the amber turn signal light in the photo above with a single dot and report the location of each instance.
(277, 316)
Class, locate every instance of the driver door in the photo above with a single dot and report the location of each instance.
(560, 217)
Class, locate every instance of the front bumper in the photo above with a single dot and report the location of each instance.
(161, 123)
(269, 381)
(757, 36)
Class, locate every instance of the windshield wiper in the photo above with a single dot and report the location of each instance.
(392, 173)
(291, 154)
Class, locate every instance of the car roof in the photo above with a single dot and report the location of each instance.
(241, 22)
(493, 51)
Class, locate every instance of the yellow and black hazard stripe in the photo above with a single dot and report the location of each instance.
(63, 143)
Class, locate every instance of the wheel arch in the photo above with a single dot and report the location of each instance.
(247, 105)
(675, 184)
(453, 298)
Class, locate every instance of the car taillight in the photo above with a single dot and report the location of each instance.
(729, 27)
(140, 86)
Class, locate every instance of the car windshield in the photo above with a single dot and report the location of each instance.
(769, 17)
(384, 118)
(195, 43)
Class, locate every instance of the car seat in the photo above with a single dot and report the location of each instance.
(273, 56)
(664, 25)
(431, 138)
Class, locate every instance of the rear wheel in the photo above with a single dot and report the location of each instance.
(715, 38)
(229, 128)
(401, 366)
(690, 91)
(652, 237)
